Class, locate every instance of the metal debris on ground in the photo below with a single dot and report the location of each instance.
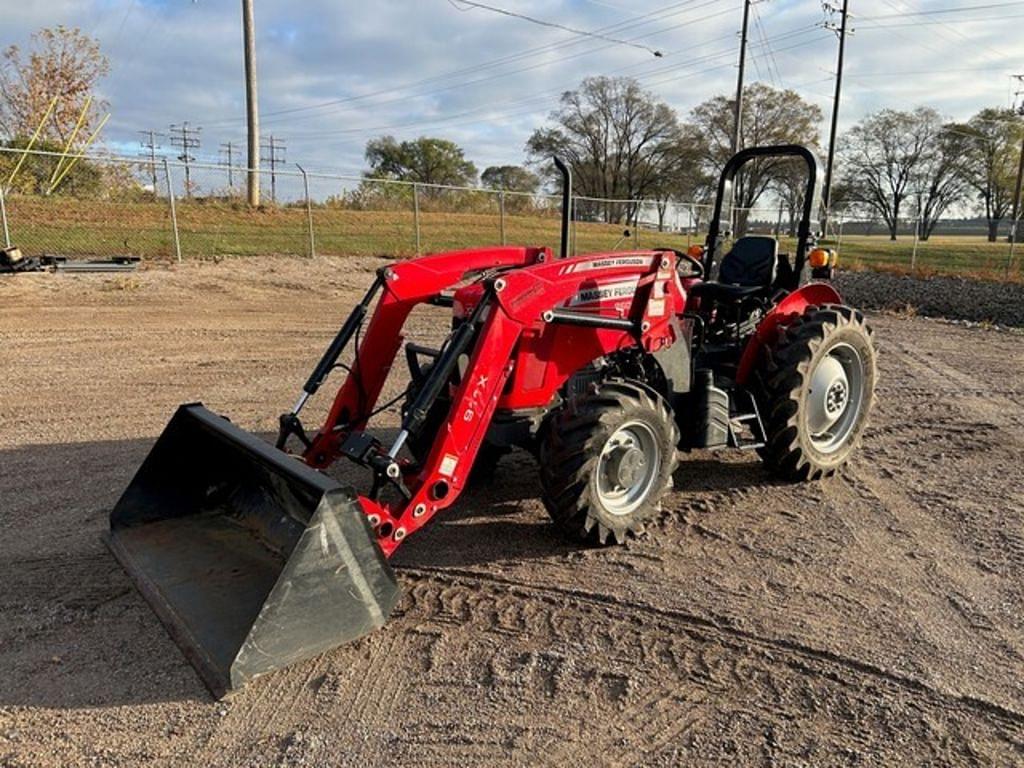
(113, 264)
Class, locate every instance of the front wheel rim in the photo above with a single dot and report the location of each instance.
(835, 398)
(628, 468)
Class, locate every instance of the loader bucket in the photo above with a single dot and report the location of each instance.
(251, 559)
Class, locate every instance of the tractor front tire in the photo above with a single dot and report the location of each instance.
(817, 387)
(607, 461)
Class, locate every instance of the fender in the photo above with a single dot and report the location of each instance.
(782, 314)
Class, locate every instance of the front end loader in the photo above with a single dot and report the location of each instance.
(604, 366)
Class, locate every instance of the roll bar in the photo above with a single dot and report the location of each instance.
(566, 205)
(805, 236)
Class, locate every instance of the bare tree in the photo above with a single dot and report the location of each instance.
(770, 116)
(684, 178)
(790, 186)
(63, 63)
(618, 139)
(882, 157)
(990, 161)
(940, 178)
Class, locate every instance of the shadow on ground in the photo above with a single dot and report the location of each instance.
(73, 631)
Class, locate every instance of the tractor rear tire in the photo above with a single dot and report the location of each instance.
(817, 387)
(607, 461)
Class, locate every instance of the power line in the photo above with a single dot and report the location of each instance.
(546, 97)
(227, 149)
(275, 157)
(939, 22)
(904, 72)
(941, 11)
(499, 75)
(771, 61)
(186, 138)
(151, 147)
(555, 25)
(874, 25)
(529, 54)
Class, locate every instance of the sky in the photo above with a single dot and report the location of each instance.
(335, 73)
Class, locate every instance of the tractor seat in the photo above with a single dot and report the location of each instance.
(747, 270)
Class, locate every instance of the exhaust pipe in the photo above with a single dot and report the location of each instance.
(566, 205)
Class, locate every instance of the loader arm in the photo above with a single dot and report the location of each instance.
(548, 319)
(405, 285)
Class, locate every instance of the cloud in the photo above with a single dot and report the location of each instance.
(414, 67)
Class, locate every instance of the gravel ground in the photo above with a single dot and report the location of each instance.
(871, 619)
(953, 298)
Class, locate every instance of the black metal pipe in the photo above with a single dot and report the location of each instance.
(348, 329)
(566, 205)
(442, 369)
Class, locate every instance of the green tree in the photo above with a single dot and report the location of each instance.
(770, 116)
(618, 139)
(991, 156)
(62, 63)
(512, 178)
(424, 160)
(85, 179)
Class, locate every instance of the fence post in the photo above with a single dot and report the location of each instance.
(501, 214)
(174, 212)
(309, 210)
(913, 255)
(416, 214)
(7, 232)
(1014, 224)
(636, 225)
(839, 240)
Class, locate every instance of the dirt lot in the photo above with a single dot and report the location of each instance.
(876, 618)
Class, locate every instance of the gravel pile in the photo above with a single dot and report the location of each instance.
(953, 298)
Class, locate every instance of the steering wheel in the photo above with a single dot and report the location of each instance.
(696, 267)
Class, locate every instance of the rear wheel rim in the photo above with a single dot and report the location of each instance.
(628, 468)
(835, 398)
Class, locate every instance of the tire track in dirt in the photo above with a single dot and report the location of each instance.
(674, 618)
(681, 681)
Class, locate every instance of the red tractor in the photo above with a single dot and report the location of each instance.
(603, 365)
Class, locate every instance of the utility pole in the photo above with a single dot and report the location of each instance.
(739, 78)
(275, 157)
(252, 112)
(841, 31)
(1015, 219)
(186, 138)
(227, 148)
(151, 147)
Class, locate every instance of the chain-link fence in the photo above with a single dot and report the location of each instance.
(115, 206)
